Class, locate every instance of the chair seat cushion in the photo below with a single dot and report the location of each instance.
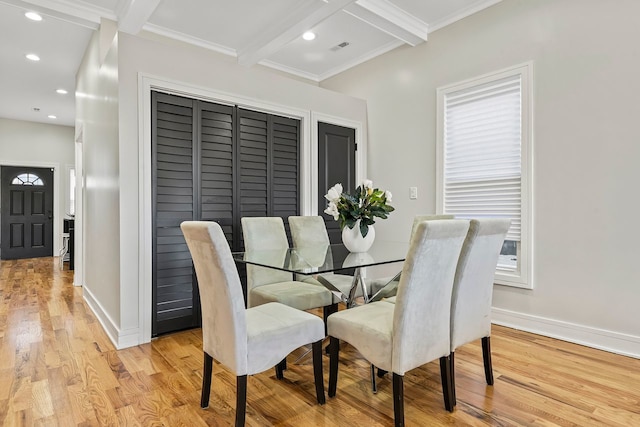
(379, 283)
(388, 283)
(368, 328)
(274, 330)
(392, 300)
(300, 295)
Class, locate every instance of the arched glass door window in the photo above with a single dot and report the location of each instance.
(27, 179)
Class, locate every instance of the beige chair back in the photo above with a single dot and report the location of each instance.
(224, 326)
(261, 234)
(423, 304)
(308, 231)
(473, 284)
(421, 218)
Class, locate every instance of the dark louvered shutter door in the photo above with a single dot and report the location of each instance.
(285, 168)
(218, 163)
(172, 155)
(216, 166)
(253, 161)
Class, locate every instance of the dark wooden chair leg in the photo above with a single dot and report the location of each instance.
(280, 367)
(317, 371)
(374, 387)
(453, 377)
(241, 400)
(328, 310)
(206, 381)
(381, 373)
(445, 374)
(398, 400)
(486, 355)
(334, 348)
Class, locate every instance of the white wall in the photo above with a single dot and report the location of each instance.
(41, 145)
(117, 246)
(586, 60)
(97, 117)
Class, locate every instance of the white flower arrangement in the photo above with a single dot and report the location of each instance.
(365, 205)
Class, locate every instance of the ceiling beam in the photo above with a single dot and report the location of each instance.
(133, 14)
(278, 35)
(390, 19)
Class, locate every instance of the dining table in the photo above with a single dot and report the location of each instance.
(322, 261)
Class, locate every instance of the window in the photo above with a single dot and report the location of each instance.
(27, 179)
(483, 160)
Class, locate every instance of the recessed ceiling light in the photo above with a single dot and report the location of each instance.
(33, 57)
(62, 91)
(51, 116)
(33, 16)
(309, 36)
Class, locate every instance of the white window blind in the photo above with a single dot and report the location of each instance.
(482, 152)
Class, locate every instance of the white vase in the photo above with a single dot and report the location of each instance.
(353, 240)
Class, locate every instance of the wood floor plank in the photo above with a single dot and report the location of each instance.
(81, 406)
(59, 396)
(41, 404)
(127, 417)
(58, 368)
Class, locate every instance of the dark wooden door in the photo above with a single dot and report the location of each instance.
(27, 212)
(336, 164)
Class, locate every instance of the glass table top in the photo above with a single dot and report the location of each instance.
(324, 259)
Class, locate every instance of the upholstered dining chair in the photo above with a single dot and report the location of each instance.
(269, 285)
(473, 289)
(377, 284)
(415, 330)
(311, 231)
(247, 341)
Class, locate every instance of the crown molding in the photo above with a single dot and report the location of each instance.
(290, 70)
(470, 10)
(176, 35)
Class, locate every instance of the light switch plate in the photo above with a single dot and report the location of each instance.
(413, 193)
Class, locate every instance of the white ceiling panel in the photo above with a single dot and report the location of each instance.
(25, 84)
(232, 24)
(319, 56)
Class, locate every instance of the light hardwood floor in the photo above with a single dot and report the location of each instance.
(57, 367)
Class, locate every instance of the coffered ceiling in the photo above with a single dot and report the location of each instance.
(348, 32)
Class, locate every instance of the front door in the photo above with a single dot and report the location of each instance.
(336, 164)
(26, 209)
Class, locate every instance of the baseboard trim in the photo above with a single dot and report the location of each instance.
(120, 339)
(613, 342)
(128, 338)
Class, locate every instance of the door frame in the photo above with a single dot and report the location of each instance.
(361, 151)
(308, 166)
(57, 223)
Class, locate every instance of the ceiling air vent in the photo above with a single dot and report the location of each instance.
(339, 46)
